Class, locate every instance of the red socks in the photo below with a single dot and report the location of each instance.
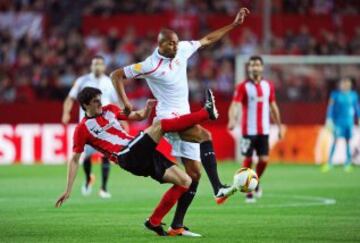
(167, 202)
(260, 167)
(247, 162)
(185, 121)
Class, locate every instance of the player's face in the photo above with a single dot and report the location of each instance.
(94, 107)
(255, 68)
(345, 85)
(97, 66)
(169, 46)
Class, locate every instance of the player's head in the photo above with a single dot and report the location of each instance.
(98, 65)
(90, 101)
(345, 84)
(168, 41)
(255, 67)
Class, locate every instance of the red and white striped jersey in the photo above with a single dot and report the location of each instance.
(103, 132)
(255, 99)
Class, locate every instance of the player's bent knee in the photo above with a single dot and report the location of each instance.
(195, 175)
(206, 135)
(155, 129)
(185, 180)
(157, 126)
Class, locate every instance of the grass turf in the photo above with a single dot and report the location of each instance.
(297, 207)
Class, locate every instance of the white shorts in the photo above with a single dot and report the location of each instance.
(183, 149)
(180, 148)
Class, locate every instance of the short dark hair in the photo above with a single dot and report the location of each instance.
(86, 95)
(256, 58)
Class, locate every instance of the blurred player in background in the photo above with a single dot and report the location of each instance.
(165, 73)
(342, 109)
(101, 129)
(97, 79)
(254, 101)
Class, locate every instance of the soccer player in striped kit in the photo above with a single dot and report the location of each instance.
(254, 101)
(97, 79)
(101, 129)
(165, 71)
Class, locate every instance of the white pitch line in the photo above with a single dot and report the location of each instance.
(310, 201)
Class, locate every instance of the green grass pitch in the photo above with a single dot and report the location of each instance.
(298, 206)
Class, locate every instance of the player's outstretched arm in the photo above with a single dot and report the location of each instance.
(73, 165)
(118, 77)
(275, 114)
(219, 33)
(143, 113)
(233, 114)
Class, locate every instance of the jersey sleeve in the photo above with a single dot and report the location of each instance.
(119, 114)
(239, 93)
(76, 88)
(187, 48)
(137, 70)
(80, 137)
(272, 96)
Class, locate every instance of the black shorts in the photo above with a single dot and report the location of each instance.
(141, 158)
(259, 143)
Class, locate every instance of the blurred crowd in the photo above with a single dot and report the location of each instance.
(43, 64)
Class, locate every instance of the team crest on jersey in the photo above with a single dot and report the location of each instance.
(99, 130)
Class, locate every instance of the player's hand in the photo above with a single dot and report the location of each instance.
(65, 118)
(240, 16)
(62, 199)
(128, 107)
(150, 104)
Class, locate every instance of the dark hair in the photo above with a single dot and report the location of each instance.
(256, 58)
(86, 95)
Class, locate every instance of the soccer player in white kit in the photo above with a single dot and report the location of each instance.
(96, 79)
(165, 73)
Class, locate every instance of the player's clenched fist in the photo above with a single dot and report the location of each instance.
(128, 107)
(62, 199)
(240, 16)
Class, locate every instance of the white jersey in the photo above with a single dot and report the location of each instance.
(167, 78)
(103, 83)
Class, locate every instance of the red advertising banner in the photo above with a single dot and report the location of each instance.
(52, 143)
